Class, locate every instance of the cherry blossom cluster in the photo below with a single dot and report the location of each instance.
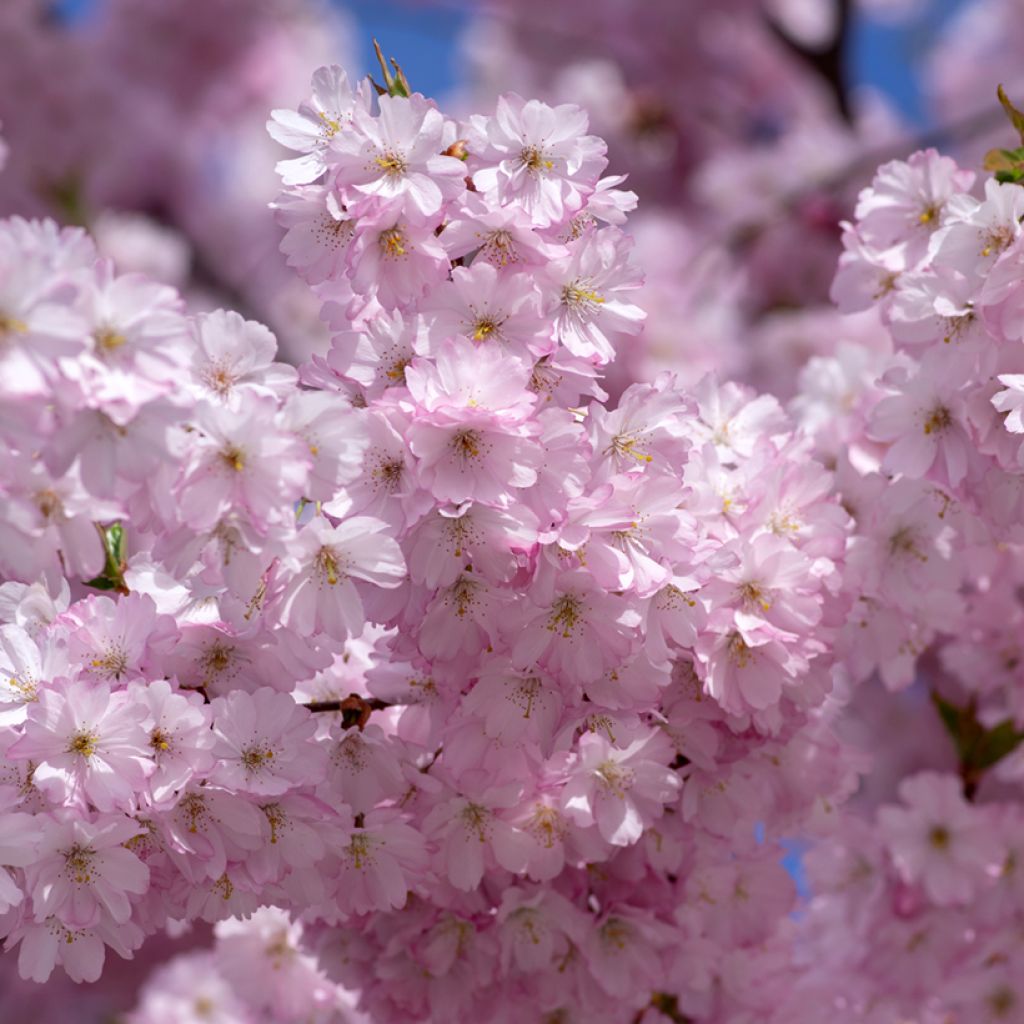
(921, 911)
(255, 973)
(154, 138)
(502, 689)
(917, 914)
(927, 435)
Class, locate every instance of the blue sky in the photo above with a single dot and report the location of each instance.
(425, 40)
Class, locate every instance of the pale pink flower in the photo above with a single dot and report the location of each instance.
(580, 630)
(333, 436)
(443, 542)
(139, 341)
(88, 743)
(867, 276)
(264, 958)
(977, 234)
(233, 356)
(515, 706)
(365, 768)
(538, 926)
(747, 667)
(471, 837)
(80, 951)
(263, 743)
(535, 156)
(111, 640)
(620, 789)
(179, 737)
(398, 156)
(907, 200)
(20, 835)
(320, 593)
(591, 289)
(25, 666)
(923, 421)
(489, 307)
(631, 532)
(84, 874)
(242, 463)
(375, 357)
(174, 990)
(297, 829)
(393, 258)
(319, 120)
(318, 230)
(939, 840)
(1010, 402)
(381, 864)
(208, 828)
(471, 432)
(502, 236)
(1001, 299)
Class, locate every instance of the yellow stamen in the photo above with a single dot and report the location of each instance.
(108, 339)
(84, 743)
(392, 243)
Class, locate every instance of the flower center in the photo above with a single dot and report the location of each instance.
(484, 328)
(85, 743)
(904, 542)
(397, 371)
(626, 445)
(500, 248)
(218, 657)
(326, 566)
(581, 298)
(616, 778)
(547, 826)
(750, 593)
(255, 758)
(534, 161)
(234, 458)
(996, 240)
(466, 444)
(11, 325)
(219, 379)
(566, 615)
(939, 419)
(159, 740)
(392, 243)
(360, 850)
(476, 817)
(49, 505)
(108, 340)
(275, 818)
(79, 863)
(329, 126)
(392, 164)
(740, 653)
(111, 663)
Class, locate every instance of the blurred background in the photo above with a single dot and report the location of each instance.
(746, 127)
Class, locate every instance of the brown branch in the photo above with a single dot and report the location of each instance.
(829, 62)
(355, 710)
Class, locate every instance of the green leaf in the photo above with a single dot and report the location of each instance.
(1015, 116)
(949, 714)
(112, 578)
(394, 84)
(997, 743)
(977, 747)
